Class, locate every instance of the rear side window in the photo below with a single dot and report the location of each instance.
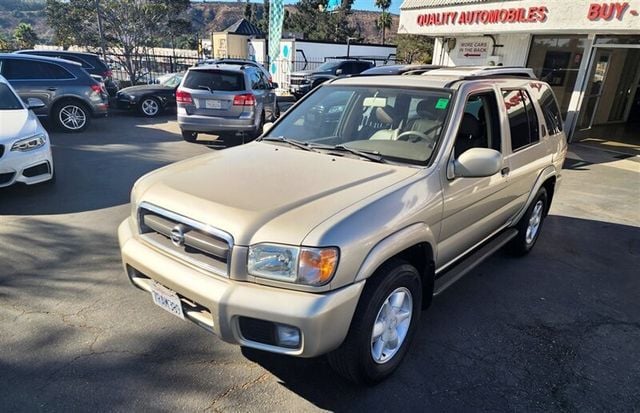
(33, 70)
(72, 58)
(523, 120)
(215, 80)
(550, 110)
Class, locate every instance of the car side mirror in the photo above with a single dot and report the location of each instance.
(266, 127)
(477, 163)
(339, 72)
(35, 103)
(274, 85)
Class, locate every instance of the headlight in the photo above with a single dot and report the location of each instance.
(306, 81)
(30, 143)
(310, 266)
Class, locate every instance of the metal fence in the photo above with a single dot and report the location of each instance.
(146, 68)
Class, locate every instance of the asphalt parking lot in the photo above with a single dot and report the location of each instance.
(558, 330)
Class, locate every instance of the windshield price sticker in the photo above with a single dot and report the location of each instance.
(442, 103)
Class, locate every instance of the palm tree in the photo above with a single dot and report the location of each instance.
(384, 21)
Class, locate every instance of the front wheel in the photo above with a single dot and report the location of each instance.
(529, 226)
(382, 327)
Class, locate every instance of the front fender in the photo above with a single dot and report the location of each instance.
(394, 244)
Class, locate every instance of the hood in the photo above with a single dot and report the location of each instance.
(262, 192)
(302, 73)
(140, 89)
(17, 124)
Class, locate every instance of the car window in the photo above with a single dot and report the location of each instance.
(8, 100)
(523, 120)
(214, 80)
(18, 69)
(549, 106)
(85, 65)
(480, 124)
(254, 77)
(370, 118)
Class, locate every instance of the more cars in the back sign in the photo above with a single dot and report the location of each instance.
(25, 152)
(71, 96)
(151, 100)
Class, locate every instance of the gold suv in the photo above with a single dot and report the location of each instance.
(332, 231)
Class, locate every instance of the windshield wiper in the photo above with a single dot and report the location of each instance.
(372, 156)
(292, 142)
(203, 87)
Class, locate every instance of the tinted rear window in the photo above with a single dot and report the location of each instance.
(19, 69)
(8, 101)
(214, 80)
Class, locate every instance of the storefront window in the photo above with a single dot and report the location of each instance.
(617, 39)
(556, 60)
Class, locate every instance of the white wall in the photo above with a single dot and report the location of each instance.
(318, 51)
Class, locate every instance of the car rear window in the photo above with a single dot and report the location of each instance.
(8, 101)
(214, 80)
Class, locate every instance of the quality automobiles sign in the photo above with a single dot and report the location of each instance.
(525, 16)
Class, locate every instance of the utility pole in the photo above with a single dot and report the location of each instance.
(104, 53)
(349, 44)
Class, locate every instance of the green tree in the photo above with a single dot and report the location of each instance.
(248, 11)
(414, 48)
(73, 23)
(5, 42)
(310, 18)
(384, 21)
(24, 36)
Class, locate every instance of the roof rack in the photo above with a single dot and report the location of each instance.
(482, 72)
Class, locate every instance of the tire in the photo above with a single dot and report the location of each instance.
(277, 112)
(258, 131)
(189, 136)
(529, 226)
(71, 116)
(355, 359)
(149, 107)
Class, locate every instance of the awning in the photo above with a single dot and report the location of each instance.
(420, 4)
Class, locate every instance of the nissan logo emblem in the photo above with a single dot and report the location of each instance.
(177, 235)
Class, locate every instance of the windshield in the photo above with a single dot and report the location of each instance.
(327, 66)
(9, 101)
(402, 125)
(172, 80)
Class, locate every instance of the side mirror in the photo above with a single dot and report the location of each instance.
(477, 163)
(266, 127)
(339, 72)
(274, 85)
(35, 103)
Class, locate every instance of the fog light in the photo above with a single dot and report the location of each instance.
(287, 336)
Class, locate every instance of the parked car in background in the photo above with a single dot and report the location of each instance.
(90, 62)
(71, 96)
(25, 151)
(331, 234)
(413, 69)
(241, 62)
(150, 100)
(303, 81)
(225, 99)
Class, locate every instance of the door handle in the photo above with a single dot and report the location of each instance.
(52, 89)
(505, 171)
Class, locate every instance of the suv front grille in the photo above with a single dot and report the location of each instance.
(192, 241)
(297, 80)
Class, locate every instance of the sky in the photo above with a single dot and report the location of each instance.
(357, 4)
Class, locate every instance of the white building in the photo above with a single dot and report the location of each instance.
(588, 51)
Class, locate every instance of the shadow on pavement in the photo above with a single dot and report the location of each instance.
(553, 331)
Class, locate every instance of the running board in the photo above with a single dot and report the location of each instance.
(471, 261)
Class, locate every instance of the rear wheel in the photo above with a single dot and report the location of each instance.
(382, 327)
(258, 131)
(529, 226)
(149, 107)
(189, 136)
(71, 116)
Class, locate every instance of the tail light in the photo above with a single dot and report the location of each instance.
(247, 99)
(97, 88)
(183, 96)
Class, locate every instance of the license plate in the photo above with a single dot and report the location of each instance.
(212, 104)
(167, 299)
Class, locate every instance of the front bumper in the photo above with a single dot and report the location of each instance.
(29, 168)
(299, 90)
(323, 319)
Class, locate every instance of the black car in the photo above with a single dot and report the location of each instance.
(89, 61)
(302, 82)
(409, 69)
(151, 100)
